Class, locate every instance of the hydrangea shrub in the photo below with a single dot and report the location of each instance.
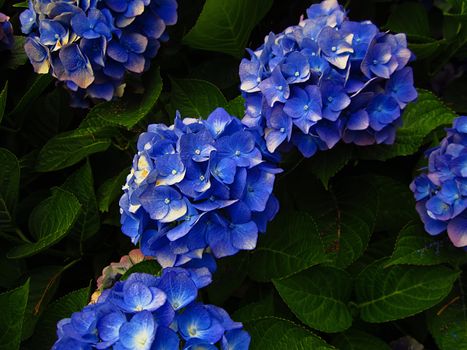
(346, 263)
(327, 79)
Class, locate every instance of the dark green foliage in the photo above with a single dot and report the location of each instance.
(346, 264)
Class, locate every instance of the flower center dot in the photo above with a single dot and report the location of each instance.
(282, 129)
(237, 153)
(297, 74)
(174, 172)
(333, 49)
(330, 99)
(305, 107)
(166, 201)
(279, 88)
(201, 178)
(375, 62)
(198, 151)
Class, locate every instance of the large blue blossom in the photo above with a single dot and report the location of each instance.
(6, 33)
(91, 45)
(198, 184)
(441, 192)
(327, 79)
(147, 312)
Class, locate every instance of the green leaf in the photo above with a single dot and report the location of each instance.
(292, 244)
(81, 184)
(41, 82)
(55, 115)
(110, 190)
(257, 310)
(49, 223)
(23, 4)
(277, 334)
(195, 98)
(230, 274)
(396, 206)
(69, 148)
(392, 293)
(420, 119)
(11, 271)
(225, 25)
(43, 284)
(236, 107)
(346, 217)
(9, 178)
(147, 266)
(448, 323)
(126, 112)
(319, 297)
(426, 50)
(324, 165)
(17, 56)
(3, 96)
(13, 304)
(415, 247)
(354, 339)
(410, 18)
(45, 334)
(9, 187)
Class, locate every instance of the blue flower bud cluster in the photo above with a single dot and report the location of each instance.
(90, 45)
(327, 79)
(150, 312)
(441, 192)
(198, 184)
(6, 33)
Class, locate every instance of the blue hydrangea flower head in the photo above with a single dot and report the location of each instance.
(147, 312)
(197, 185)
(441, 191)
(327, 79)
(92, 45)
(6, 33)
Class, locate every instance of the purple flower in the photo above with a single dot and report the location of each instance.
(327, 79)
(441, 192)
(6, 33)
(150, 312)
(199, 184)
(91, 45)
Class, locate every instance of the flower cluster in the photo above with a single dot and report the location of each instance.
(441, 193)
(198, 184)
(91, 44)
(6, 33)
(327, 79)
(200, 269)
(148, 312)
